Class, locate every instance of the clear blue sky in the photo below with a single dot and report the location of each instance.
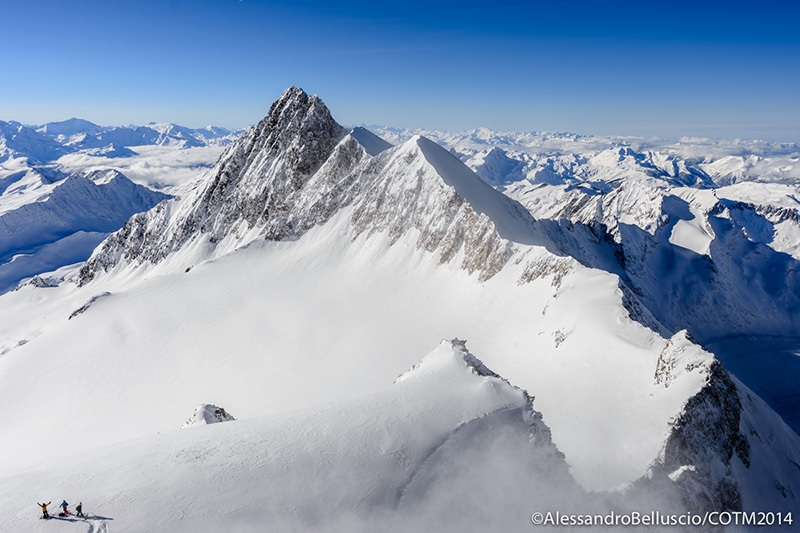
(712, 68)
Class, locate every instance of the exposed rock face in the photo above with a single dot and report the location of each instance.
(254, 185)
(404, 191)
(706, 437)
(256, 179)
(208, 414)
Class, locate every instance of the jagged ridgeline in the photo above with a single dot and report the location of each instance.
(297, 167)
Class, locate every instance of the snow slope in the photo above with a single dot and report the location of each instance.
(354, 465)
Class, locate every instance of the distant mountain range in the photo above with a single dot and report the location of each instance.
(48, 142)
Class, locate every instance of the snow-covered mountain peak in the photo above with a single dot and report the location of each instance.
(302, 126)
(371, 142)
(297, 167)
(18, 140)
(511, 220)
(69, 127)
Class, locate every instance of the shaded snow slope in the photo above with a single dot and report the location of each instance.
(371, 142)
(47, 223)
(701, 260)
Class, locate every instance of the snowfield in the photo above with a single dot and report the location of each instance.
(298, 284)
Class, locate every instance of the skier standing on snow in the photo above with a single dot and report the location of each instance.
(79, 509)
(64, 506)
(44, 509)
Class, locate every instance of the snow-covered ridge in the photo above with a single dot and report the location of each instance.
(705, 234)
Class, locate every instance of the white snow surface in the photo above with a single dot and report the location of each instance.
(273, 309)
(345, 466)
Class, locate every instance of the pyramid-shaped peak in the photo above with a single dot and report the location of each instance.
(299, 125)
(293, 97)
(295, 105)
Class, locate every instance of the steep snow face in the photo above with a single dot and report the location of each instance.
(46, 224)
(420, 187)
(371, 142)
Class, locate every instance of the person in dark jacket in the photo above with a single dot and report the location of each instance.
(44, 509)
(79, 509)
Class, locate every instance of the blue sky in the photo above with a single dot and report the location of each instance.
(713, 68)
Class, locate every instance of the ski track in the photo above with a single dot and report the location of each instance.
(98, 526)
